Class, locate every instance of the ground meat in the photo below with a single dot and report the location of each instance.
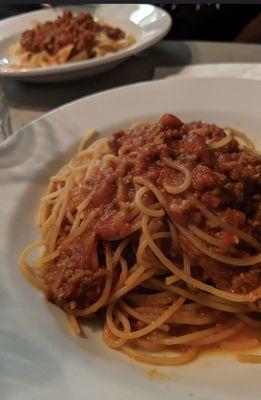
(203, 178)
(105, 189)
(80, 31)
(227, 239)
(213, 199)
(113, 33)
(226, 180)
(247, 281)
(73, 278)
(195, 144)
(233, 217)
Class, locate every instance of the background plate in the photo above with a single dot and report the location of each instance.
(146, 22)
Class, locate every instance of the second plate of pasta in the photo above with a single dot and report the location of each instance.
(65, 43)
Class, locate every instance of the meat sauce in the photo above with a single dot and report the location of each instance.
(80, 31)
(226, 180)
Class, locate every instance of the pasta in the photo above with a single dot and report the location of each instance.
(150, 226)
(67, 39)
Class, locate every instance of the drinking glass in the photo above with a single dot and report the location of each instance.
(5, 122)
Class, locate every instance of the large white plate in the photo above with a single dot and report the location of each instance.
(39, 357)
(146, 22)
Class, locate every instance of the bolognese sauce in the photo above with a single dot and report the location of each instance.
(78, 31)
(139, 152)
(159, 226)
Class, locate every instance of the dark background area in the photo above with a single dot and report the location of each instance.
(215, 22)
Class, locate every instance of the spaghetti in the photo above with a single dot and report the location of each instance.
(67, 39)
(159, 226)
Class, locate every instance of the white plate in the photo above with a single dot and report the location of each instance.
(39, 357)
(146, 22)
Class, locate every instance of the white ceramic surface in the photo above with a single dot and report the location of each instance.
(39, 357)
(146, 22)
(227, 70)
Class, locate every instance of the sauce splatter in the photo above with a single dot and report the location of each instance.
(156, 373)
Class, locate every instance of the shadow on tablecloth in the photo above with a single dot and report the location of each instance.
(46, 96)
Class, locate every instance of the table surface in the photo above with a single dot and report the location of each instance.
(28, 101)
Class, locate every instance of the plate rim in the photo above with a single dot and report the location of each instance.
(114, 89)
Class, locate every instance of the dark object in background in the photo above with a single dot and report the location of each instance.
(10, 10)
(216, 22)
(251, 32)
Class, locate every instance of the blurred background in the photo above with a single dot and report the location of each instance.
(205, 40)
(215, 22)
